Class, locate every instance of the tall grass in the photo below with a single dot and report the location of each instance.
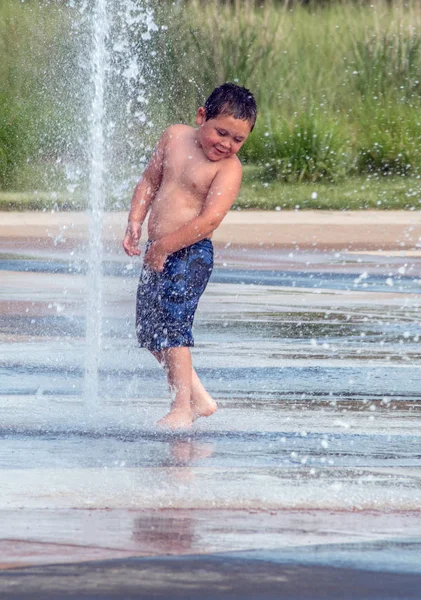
(338, 84)
(306, 149)
(36, 56)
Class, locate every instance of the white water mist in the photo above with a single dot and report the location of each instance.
(121, 31)
(96, 201)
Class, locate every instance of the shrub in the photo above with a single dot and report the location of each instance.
(300, 150)
(389, 140)
(322, 75)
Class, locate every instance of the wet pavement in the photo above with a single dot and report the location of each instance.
(214, 576)
(313, 459)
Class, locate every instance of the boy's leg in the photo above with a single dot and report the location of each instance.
(178, 365)
(202, 403)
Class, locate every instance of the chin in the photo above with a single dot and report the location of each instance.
(218, 156)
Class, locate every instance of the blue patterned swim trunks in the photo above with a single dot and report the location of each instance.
(167, 301)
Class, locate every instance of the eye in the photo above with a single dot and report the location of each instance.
(238, 141)
(221, 133)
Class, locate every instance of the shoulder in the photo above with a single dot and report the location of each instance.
(232, 166)
(178, 130)
(173, 132)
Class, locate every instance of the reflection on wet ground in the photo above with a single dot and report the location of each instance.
(318, 383)
(212, 449)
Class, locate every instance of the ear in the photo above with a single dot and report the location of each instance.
(200, 116)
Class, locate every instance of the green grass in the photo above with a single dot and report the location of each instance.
(338, 86)
(309, 149)
(40, 107)
(42, 201)
(351, 194)
(358, 193)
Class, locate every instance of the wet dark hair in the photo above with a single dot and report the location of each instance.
(234, 100)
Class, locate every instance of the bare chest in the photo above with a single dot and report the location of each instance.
(189, 171)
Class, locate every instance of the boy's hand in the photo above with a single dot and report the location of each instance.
(155, 257)
(132, 237)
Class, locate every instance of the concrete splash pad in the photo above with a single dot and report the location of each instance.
(209, 577)
(312, 459)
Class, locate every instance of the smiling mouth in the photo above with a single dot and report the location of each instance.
(220, 151)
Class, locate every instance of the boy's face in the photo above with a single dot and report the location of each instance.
(222, 136)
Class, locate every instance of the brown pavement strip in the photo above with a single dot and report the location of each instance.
(38, 309)
(368, 230)
(18, 553)
(51, 536)
(390, 254)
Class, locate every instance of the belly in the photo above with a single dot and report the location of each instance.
(171, 213)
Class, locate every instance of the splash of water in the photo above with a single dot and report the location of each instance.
(99, 60)
(121, 31)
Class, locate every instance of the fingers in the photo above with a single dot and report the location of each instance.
(130, 246)
(131, 251)
(127, 247)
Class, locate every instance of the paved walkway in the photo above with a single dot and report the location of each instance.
(357, 230)
(78, 512)
(222, 577)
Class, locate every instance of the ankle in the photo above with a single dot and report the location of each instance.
(181, 404)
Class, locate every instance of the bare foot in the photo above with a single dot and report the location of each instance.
(204, 406)
(202, 403)
(177, 418)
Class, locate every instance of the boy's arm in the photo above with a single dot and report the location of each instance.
(220, 198)
(143, 195)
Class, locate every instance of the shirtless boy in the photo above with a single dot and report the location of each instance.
(189, 186)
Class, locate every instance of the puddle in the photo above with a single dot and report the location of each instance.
(319, 394)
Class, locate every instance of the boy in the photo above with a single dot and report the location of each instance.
(190, 184)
